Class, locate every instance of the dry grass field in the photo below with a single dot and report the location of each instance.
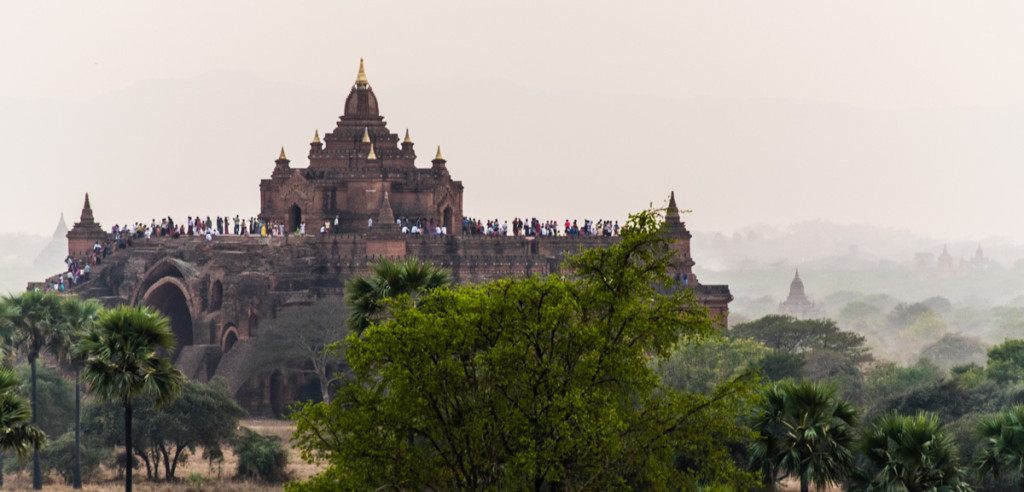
(222, 480)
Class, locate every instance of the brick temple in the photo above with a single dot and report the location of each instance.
(216, 293)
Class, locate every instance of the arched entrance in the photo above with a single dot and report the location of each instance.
(168, 297)
(277, 406)
(230, 337)
(448, 220)
(294, 219)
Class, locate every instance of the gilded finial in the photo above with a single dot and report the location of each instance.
(361, 78)
(283, 157)
(372, 155)
(316, 136)
(438, 156)
(366, 135)
(407, 139)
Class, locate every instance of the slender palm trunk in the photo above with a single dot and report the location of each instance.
(804, 485)
(77, 473)
(37, 472)
(128, 446)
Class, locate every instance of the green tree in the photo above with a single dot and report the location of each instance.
(908, 453)
(1006, 362)
(260, 456)
(33, 327)
(955, 350)
(811, 348)
(204, 415)
(122, 361)
(806, 432)
(701, 367)
(17, 432)
(296, 340)
(367, 296)
(530, 383)
(1002, 449)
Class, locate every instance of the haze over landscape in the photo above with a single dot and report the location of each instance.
(890, 128)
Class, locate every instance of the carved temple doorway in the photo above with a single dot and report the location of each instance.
(294, 219)
(447, 220)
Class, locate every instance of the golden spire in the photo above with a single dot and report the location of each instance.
(316, 136)
(407, 139)
(372, 156)
(361, 78)
(438, 156)
(283, 157)
(366, 135)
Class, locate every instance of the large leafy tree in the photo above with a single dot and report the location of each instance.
(908, 453)
(367, 295)
(32, 326)
(205, 416)
(528, 384)
(826, 351)
(123, 361)
(1006, 362)
(296, 340)
(1002, 448)
(805, 432)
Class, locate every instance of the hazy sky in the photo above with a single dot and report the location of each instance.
(939, 57)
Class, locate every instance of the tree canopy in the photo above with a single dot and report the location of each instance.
(529, 383)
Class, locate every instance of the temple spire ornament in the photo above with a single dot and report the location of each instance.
(361, 78)
(316, 136)
(438, 156)
(407, 139)
(372, 155)
(366, 135)
(282, 157)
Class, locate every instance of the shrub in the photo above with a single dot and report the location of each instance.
(261, 457)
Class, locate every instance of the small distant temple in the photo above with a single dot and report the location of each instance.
(362, 177)
(945, 267)
(797, 304)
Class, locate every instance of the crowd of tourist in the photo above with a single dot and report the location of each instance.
(122, 236)
(534, 227)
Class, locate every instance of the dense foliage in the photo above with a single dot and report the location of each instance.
(260, 457)
(530, 383)
(205, 415)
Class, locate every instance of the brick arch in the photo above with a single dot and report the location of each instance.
(166, 267)
(228, 338)
(172, 298)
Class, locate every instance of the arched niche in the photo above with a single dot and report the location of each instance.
(216, 295)
(170, 296)
(229, 339)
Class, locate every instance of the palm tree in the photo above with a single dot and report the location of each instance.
(1002, 451)
(33, 326)
(367, 295)
(17, 433)
(806, 432)
(77, 315)
(908, 453)
(121, 362)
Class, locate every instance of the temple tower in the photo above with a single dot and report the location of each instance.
(353, 167)
(85, 233)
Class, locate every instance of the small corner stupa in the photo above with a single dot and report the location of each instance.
(85, 233)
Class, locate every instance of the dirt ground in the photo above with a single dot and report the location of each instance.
(221, 480)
